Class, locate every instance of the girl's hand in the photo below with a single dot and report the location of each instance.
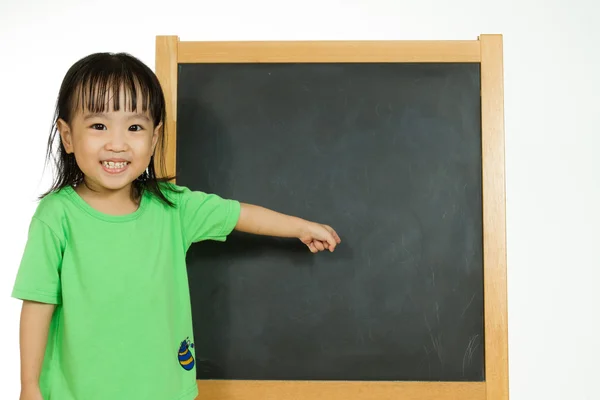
(262, 221)
(31, 393)
(319, 237)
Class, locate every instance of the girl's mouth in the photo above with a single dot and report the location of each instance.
(114, 167)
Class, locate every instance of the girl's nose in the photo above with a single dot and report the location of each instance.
(117, 142)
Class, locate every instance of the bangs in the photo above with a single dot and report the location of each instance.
(114, 83)
(103, 94)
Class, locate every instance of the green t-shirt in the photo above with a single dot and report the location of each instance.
(122, 327)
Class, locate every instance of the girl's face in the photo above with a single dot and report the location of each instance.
(112, 148)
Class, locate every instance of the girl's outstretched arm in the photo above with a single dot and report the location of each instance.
(262, 221)
(35, 320)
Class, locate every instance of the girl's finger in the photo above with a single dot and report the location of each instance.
(335, 235)
(331, 241)
(336, 238)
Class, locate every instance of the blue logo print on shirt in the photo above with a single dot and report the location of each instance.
(186, 360)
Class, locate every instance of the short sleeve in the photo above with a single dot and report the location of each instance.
(38, 277)
(207, 216)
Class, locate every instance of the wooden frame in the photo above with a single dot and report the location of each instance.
(488, 51)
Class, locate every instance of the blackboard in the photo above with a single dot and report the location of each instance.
(397, 144)
(389, 155)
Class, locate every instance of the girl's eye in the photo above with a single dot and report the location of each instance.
(98, 126)
(135, 128)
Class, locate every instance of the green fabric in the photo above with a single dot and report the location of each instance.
(121, 290)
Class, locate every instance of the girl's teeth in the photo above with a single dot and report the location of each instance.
(114, 165)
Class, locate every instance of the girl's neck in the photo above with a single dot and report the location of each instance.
(111, 202)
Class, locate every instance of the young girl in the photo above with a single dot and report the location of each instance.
(106, 309)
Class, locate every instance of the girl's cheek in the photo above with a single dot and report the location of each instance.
(144, 144)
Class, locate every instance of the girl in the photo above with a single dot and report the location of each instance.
(106, 308)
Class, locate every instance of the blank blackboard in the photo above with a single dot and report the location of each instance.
(399, 145)
(390, 156)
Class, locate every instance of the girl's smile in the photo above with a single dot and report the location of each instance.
(114, 166)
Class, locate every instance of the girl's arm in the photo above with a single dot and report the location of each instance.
(35, 320)
(262, 221)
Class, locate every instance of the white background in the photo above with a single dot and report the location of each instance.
(552, 86)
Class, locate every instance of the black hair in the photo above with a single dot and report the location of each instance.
(87, 85)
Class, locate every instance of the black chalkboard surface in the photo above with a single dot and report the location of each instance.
(387, 154)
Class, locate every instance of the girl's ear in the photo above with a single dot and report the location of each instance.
(157, 132)
(65, 135)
